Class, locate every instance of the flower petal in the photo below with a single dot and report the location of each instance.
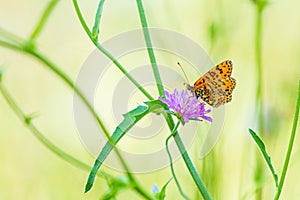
(186, 106)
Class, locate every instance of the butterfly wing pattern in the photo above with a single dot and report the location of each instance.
(215, 86)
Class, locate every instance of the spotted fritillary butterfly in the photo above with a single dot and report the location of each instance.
(215, 86)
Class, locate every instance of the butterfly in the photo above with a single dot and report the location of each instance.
(215, 86)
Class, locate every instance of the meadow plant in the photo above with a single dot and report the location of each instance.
(181, 104)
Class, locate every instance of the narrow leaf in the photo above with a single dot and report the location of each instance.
(162, 194)
(263, 150)
(130, 119)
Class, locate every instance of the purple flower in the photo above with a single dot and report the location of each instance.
(186, 106)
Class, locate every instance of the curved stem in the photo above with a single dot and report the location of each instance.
(60, 74)
(188, 162)
(27, 121)
(120, 67)
(43, 19)
(70, 83)
(290, 146)
(171, 162)
(97, 20)
(106, 53)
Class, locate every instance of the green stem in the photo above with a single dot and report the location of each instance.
(150, 48)
(40, 25)
(40, 136)
(290, 146)
(70, 83)
(60, 74)
(96, 26)
(27, 121)
(120, 67)
(258, 57)
(259, 92)
(106, 53)
(171, 161)
(188, 162)
(199, 183)
(10, 36)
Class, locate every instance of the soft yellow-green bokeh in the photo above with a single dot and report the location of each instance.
(30, 171)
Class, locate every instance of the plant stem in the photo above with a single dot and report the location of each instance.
(199, 183)
(120, 67)
(290, 146)
(40, 25)
(171, 161)
(70, 83)
(60, 74)
(260, 5)
(10, 36)
(98, 15)
(258, 57)
(27, 121)
(150, 48)
(189, 164)
(106, 53)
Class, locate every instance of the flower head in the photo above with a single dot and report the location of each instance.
(185, 106)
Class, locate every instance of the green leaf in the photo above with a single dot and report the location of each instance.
(130, 119)
(263, 150)
(156, 106)
(162, 194)
(116, 185)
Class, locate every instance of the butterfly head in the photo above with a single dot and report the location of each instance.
(188, 87)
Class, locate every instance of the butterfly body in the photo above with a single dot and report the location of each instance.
(215, 86)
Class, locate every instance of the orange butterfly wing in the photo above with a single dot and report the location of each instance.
(215, 86)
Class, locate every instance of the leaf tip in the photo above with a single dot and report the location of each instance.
(88, 187)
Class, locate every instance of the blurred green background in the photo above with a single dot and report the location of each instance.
(30, 171)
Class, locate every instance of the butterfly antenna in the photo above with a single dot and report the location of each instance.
(183, 72)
